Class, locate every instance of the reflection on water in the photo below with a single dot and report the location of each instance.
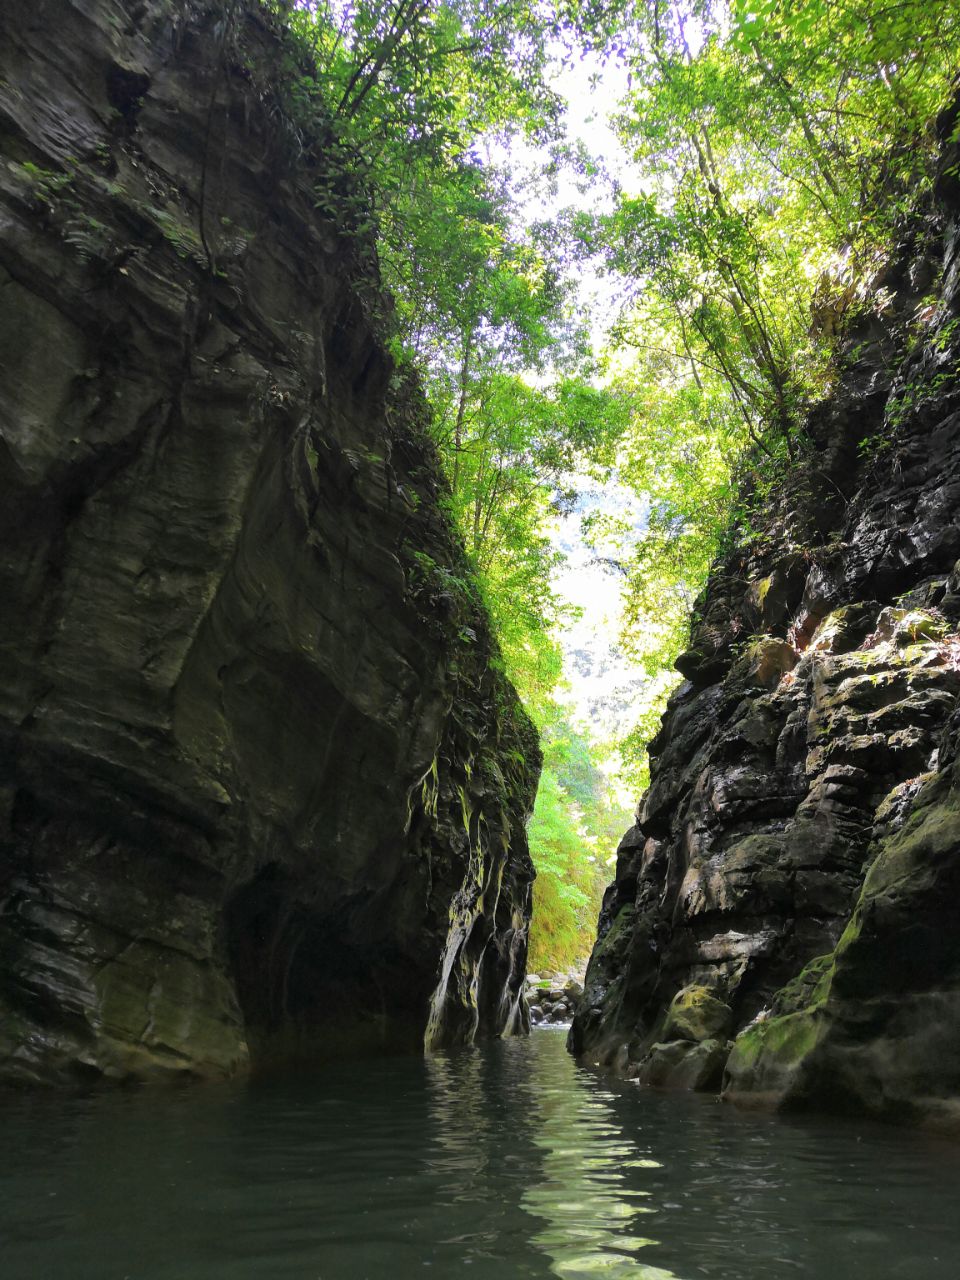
(505, 1162)
(596, 1220)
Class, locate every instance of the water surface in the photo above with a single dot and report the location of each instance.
(503, 1162)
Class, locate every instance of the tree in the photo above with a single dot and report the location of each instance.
(777, 147)
(415, 99)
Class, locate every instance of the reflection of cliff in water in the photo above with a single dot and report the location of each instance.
(479, 1153)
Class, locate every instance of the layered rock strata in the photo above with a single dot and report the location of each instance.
(785, 920)
(262, 788)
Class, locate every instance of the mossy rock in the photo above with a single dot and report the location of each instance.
(765, 662)
(682, 1065)
(846, 628)
(618, 935)
(696, 1014)
(809, 988)
(910, 626)
(767, 1059)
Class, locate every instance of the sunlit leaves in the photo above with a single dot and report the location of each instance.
(777, 147)
(572, 832)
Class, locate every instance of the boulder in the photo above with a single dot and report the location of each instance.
(696, 1014)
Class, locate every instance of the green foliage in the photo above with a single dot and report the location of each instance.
(572, 831)
(509, 449)
(777, 148)
(405, 96)
(48, 184)
(393, 102)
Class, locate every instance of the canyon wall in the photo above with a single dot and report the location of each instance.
(784, 925)
(262, 784)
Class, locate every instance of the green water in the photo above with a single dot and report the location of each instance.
(508, 1161)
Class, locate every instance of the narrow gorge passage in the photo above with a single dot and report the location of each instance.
(436, 439)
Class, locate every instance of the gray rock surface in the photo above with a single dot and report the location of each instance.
(790, 890)
(262, 793)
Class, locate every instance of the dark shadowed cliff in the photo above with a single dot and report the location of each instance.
(785, 919)
(262, 787)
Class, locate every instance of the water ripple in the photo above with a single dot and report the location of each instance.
(504, 1163)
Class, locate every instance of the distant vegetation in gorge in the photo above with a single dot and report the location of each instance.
(772, 150)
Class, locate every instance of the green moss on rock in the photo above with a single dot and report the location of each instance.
(767, 1059)
(696, 1014)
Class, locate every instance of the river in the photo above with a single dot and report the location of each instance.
(508, 1161)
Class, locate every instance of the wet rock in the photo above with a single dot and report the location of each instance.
(682, 1065)
(845, 629)
(879, 1028)
(767, 661)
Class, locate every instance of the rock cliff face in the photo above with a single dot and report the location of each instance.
(785, 919)
(262, 788)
